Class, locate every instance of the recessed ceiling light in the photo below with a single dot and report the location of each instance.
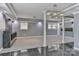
(39, 23)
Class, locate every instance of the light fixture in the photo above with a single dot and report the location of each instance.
(15, 22)
(48, 13)
(39, 23)
(55, 13)
(61, 14)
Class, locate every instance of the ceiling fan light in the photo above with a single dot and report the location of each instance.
(48, 13)
(61, 14)
(54, 14)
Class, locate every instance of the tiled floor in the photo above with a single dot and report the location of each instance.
(67, 51)
(37, 41)
(34, 52)
(30, 52)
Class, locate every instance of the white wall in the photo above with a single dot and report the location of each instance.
(1, 39)
(76, 31)
(2, 28)
(15, 26)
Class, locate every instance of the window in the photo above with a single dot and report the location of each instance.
(23, 25)
(52, 25)
(49, 26)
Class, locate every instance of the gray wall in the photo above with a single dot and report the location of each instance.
(2, 28)
(33, 29)
(68, 33)
(50, 31)
(1, 37)
(76, 31)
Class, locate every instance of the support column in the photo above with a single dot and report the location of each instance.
(44, 48)
(58, 28)
(62, 29)
(44, 44)
(63, 35)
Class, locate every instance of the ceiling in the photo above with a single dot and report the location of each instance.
(35, 10)
(30, 10)
(4, 7)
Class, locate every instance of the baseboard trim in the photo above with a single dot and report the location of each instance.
(76, 49)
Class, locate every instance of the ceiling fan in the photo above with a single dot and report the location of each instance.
(54, 13)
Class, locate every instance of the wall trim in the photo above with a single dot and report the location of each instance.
(70, 7)
(77, 12)
(76, 48)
